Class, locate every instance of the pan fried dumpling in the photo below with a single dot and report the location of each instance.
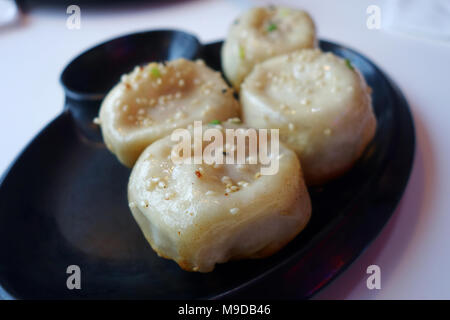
(151, 101)
(320, 103)
(199, 215)
(262, 33)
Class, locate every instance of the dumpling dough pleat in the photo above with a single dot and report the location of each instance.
(151, 101)
(262, 33)
(320, 103)
(201, 215)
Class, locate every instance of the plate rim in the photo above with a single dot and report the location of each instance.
(317, 239)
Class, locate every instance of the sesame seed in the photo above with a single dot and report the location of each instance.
(181, 83)
(304, 101)
(146, 122)
(132, 205)
(226, 179)
(235, 120)
(234, 210)
(161, 184)
(210, 193)
(257, 175)
(96, 120)
(180, 114)
(242, 183)
(169, 195)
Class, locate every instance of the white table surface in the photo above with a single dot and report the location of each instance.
(413, 250)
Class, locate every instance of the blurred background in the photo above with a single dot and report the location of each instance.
(409, 40)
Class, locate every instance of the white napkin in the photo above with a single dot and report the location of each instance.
(420, 18)
(8, 12)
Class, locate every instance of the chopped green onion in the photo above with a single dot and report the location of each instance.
(215, 122)
(349, 64)
(241, 52)
(271, 27)
(155, 72)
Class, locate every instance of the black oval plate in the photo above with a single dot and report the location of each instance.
(63, 202)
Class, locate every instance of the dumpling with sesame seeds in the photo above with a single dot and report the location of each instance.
(202, 214)
(320, 103)
(153, 100)
(262, 33)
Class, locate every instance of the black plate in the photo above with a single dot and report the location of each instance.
(63, 201)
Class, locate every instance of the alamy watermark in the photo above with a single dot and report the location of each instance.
(73, 21)
(239, 146)
(74, 280)
(374, 280)
(373, 21)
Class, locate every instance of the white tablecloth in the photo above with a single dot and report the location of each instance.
(413, 250)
